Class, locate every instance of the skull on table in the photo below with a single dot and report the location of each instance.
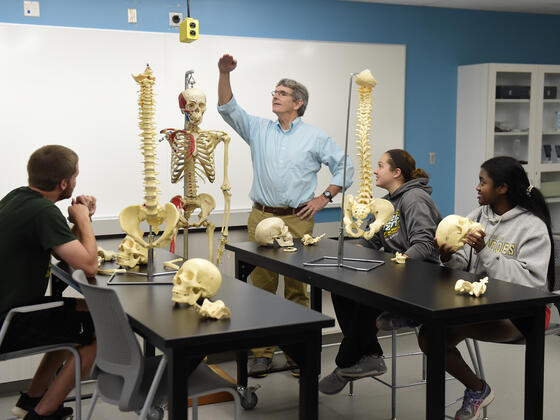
(197, 278)
(131, 253)
(273, 229)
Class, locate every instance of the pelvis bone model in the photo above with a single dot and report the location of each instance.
(151, 211)
(192, 155)
(453, 229)
(357, 210)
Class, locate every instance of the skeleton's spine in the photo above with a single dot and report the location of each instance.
(363, 144)
(146, 115)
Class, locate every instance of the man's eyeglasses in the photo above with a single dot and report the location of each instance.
(280, 93)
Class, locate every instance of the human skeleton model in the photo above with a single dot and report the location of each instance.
(357, 210)
(477, 288)
(151, 211)
(192, 155)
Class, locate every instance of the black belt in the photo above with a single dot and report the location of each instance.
(278, 211)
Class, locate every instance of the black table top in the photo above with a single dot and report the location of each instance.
(166, 323)
(420, 289)
(253, 311)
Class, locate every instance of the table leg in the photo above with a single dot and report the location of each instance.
(309, 380)
(242, 269)
(534, 367)
(435, 386)
(242, 377)
(177, 385)
(316, 299)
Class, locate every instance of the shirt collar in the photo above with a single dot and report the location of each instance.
(293, 124)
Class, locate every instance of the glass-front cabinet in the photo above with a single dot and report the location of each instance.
(509, 110)
(549, 153)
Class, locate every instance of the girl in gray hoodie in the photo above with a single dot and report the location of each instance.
(410, 231)
(516, 246)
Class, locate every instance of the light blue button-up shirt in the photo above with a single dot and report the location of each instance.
(285, 163)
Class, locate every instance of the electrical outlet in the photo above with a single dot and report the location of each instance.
(432, 158)
(132, 16)
(31, 8)
(175, 19)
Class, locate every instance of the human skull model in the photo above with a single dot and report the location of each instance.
(197, 278)
(273, 229)
(131, 253)
(193, 103)
(453, 229)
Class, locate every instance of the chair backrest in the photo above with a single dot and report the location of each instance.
(118, 352)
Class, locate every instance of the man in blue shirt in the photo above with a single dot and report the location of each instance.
(286, 156)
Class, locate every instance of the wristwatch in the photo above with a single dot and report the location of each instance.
(328, 195)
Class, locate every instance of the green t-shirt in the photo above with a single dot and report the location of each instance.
(31, 226)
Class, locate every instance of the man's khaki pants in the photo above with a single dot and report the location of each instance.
(294, 290)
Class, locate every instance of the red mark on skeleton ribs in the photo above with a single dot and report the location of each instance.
(189, 150)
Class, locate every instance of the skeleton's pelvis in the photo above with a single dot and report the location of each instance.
(131, 217)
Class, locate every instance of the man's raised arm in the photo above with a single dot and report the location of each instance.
(226, 65)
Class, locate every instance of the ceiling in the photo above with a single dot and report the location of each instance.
(520, 6)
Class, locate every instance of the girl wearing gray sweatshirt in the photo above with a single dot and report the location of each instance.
(516, 246)
(410, 231)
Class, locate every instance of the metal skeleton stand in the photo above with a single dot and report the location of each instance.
(150, 272)
(370, 264)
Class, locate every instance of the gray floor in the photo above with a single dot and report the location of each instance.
(278, 395)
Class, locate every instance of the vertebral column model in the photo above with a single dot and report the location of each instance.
(357, 210)
(192, 156)
(151, 211)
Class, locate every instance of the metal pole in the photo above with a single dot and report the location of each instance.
(341, 228)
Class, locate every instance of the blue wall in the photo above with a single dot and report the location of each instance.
(437, 40)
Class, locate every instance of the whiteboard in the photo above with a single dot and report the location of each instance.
(73, 86)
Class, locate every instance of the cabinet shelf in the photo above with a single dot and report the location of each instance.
(549, 167)
(551, 101)
(551, 133)
(552, 200)
(512, 133)
(514, 101)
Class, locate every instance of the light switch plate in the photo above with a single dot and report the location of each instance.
(432, 158)
(31, 8)
(132, 16)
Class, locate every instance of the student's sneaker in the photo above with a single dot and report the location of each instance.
(259, 367)
(388, 321)
(367, 366)
(62, 413)
(333, 383)
(474, 402)
(294, 369)
(25, 403)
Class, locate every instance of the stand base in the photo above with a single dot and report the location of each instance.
(366, 265)
(148, 281)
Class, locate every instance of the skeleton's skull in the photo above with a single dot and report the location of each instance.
(197, 278)
(193, 103)
(131, 253)
(453, 229)
(273, 229)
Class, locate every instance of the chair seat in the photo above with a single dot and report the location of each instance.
(553, 329)
(35, 350)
